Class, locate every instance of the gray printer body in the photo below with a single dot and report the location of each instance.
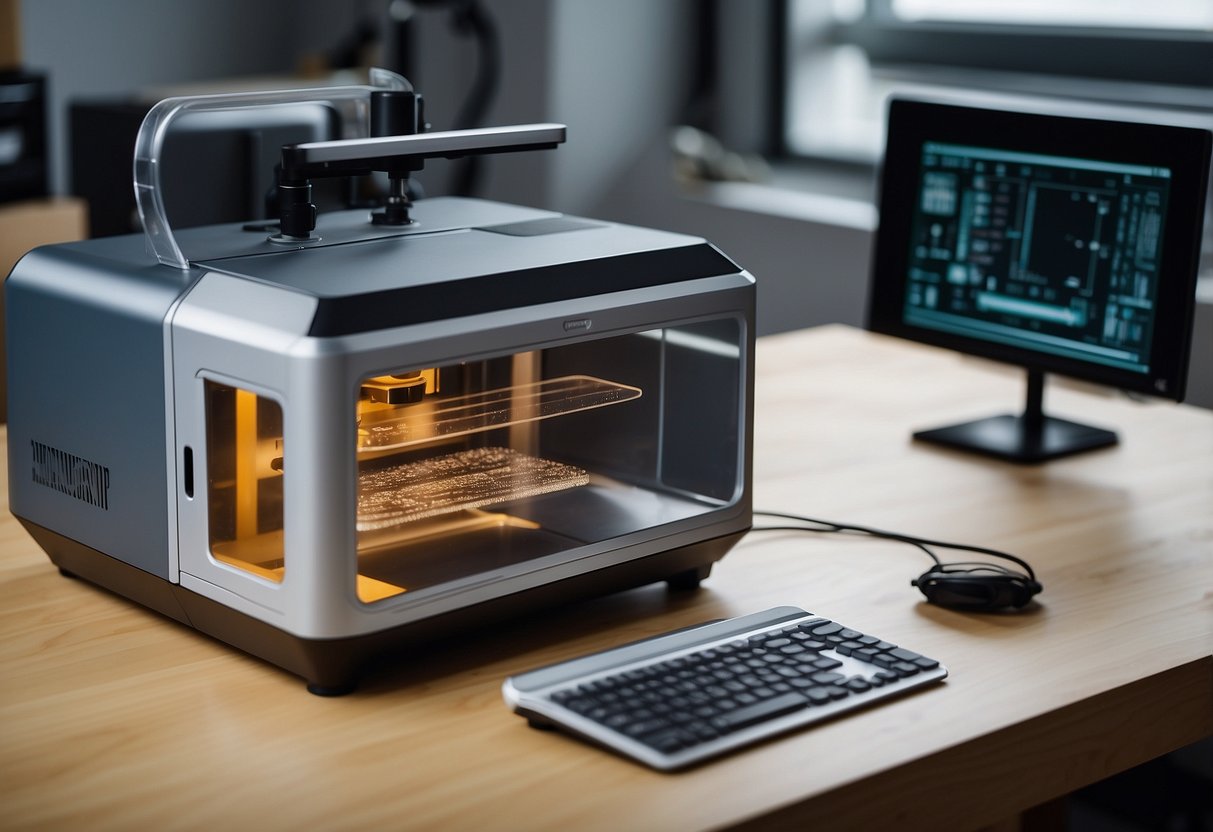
(316, 451)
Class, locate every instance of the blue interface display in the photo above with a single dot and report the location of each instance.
(1056, 254)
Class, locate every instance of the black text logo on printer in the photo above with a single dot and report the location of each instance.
(72, 475)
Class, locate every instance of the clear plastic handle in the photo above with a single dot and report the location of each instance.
(149, 144)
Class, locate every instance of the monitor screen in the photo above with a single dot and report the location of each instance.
(1058, 254)
(1061, 244)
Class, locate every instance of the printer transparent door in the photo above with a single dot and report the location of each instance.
(244, 480)
(490, 466)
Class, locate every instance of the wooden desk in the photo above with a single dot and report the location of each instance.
(112, 717)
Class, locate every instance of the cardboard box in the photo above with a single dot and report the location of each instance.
(27, 225)
(10, 35)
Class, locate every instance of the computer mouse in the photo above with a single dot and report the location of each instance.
(980, 590)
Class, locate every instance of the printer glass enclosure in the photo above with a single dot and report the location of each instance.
(485, 467)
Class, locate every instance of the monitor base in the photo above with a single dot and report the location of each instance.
(1008, 437)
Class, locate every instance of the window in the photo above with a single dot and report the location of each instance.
(844, 57)
(244, 480)
(1161, 14)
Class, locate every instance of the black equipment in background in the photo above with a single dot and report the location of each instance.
(205, 151)
(23, 159)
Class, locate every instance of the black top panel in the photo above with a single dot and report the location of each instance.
(350, 314)
(466, 257)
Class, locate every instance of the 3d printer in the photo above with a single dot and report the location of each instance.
(317, 443)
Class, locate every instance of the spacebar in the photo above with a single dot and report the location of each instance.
(750, 714)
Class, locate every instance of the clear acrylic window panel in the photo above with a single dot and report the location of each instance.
(487, 466)
(244, 479)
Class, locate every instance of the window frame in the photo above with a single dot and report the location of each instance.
(1170, 67)
(1162, 56)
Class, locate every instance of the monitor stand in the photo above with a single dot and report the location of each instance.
(1030, 438)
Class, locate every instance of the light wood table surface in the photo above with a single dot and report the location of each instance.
(112, 717)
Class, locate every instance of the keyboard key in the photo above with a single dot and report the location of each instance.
(617, 721)
(648, 726)
(771, 708)
(818, 695)
(669, 740)
(579, 705)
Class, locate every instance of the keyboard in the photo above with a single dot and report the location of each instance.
(683, 697)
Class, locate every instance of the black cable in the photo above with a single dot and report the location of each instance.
(929, 553)
(471, 18)
(829, 527)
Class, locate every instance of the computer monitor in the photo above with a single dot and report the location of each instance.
(1060, 244)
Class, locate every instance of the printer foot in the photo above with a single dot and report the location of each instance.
(690, 579)
(330, 690)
